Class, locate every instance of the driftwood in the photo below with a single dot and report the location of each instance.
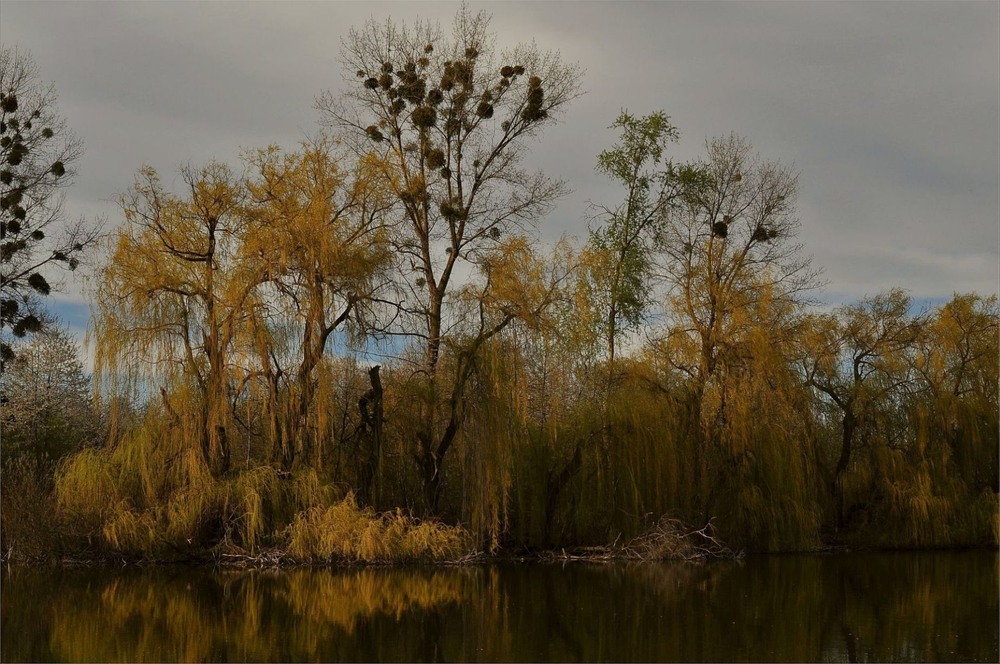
(264, 559)
(669, 539)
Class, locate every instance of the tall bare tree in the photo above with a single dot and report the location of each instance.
(731, 246)
(38, 153)
(449, 118)
(733, 273)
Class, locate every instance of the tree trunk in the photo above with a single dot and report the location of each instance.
(612, 330)
(430, 477)
(554, 486)
(276, 450)
(433, 335)
(370, 406)
(850, 424)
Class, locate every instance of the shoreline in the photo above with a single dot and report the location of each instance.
(275, 559)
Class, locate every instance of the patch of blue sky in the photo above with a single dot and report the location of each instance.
(370, 351)
(74, 315)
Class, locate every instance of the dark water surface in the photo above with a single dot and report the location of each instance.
(856, 607)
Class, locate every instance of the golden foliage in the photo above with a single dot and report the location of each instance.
(346, 532)
(159, 614)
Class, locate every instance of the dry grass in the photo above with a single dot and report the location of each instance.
(347, 533)
(25, 504)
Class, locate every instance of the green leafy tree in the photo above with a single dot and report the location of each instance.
(37, 157)
(625, 233)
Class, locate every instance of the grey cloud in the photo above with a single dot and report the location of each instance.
(891, 111)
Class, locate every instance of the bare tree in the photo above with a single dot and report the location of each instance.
(45, 404)
(37, 157)
(736, 280)
(448, 119)
(728, 248)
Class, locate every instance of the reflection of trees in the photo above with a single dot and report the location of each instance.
(878, 607)
(344, 599)
(187, 615)
(959, 603)
(884, 607)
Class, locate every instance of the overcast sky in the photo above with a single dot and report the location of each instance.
(890, 111)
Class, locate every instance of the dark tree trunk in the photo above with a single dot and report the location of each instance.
(850, 424)
(429, 459)
(372, 418)
(430, 477)
(554, 486)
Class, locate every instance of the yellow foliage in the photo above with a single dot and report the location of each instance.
(85, 488)
(131, 532)
(344, 598)
(348, 533)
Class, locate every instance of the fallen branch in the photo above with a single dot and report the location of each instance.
(669, 539)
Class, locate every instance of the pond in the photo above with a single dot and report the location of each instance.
(931, 606)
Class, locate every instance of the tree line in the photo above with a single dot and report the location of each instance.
(523, 392)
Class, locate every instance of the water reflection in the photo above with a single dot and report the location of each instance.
(878, 607)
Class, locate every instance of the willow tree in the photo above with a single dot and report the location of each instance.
(734, 274)
(450, 117)
(315, 238)
(956, 361)
(858, 358)
(517, 294)
(168, 300)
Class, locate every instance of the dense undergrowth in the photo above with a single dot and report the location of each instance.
(599, 474)
(147, 499)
